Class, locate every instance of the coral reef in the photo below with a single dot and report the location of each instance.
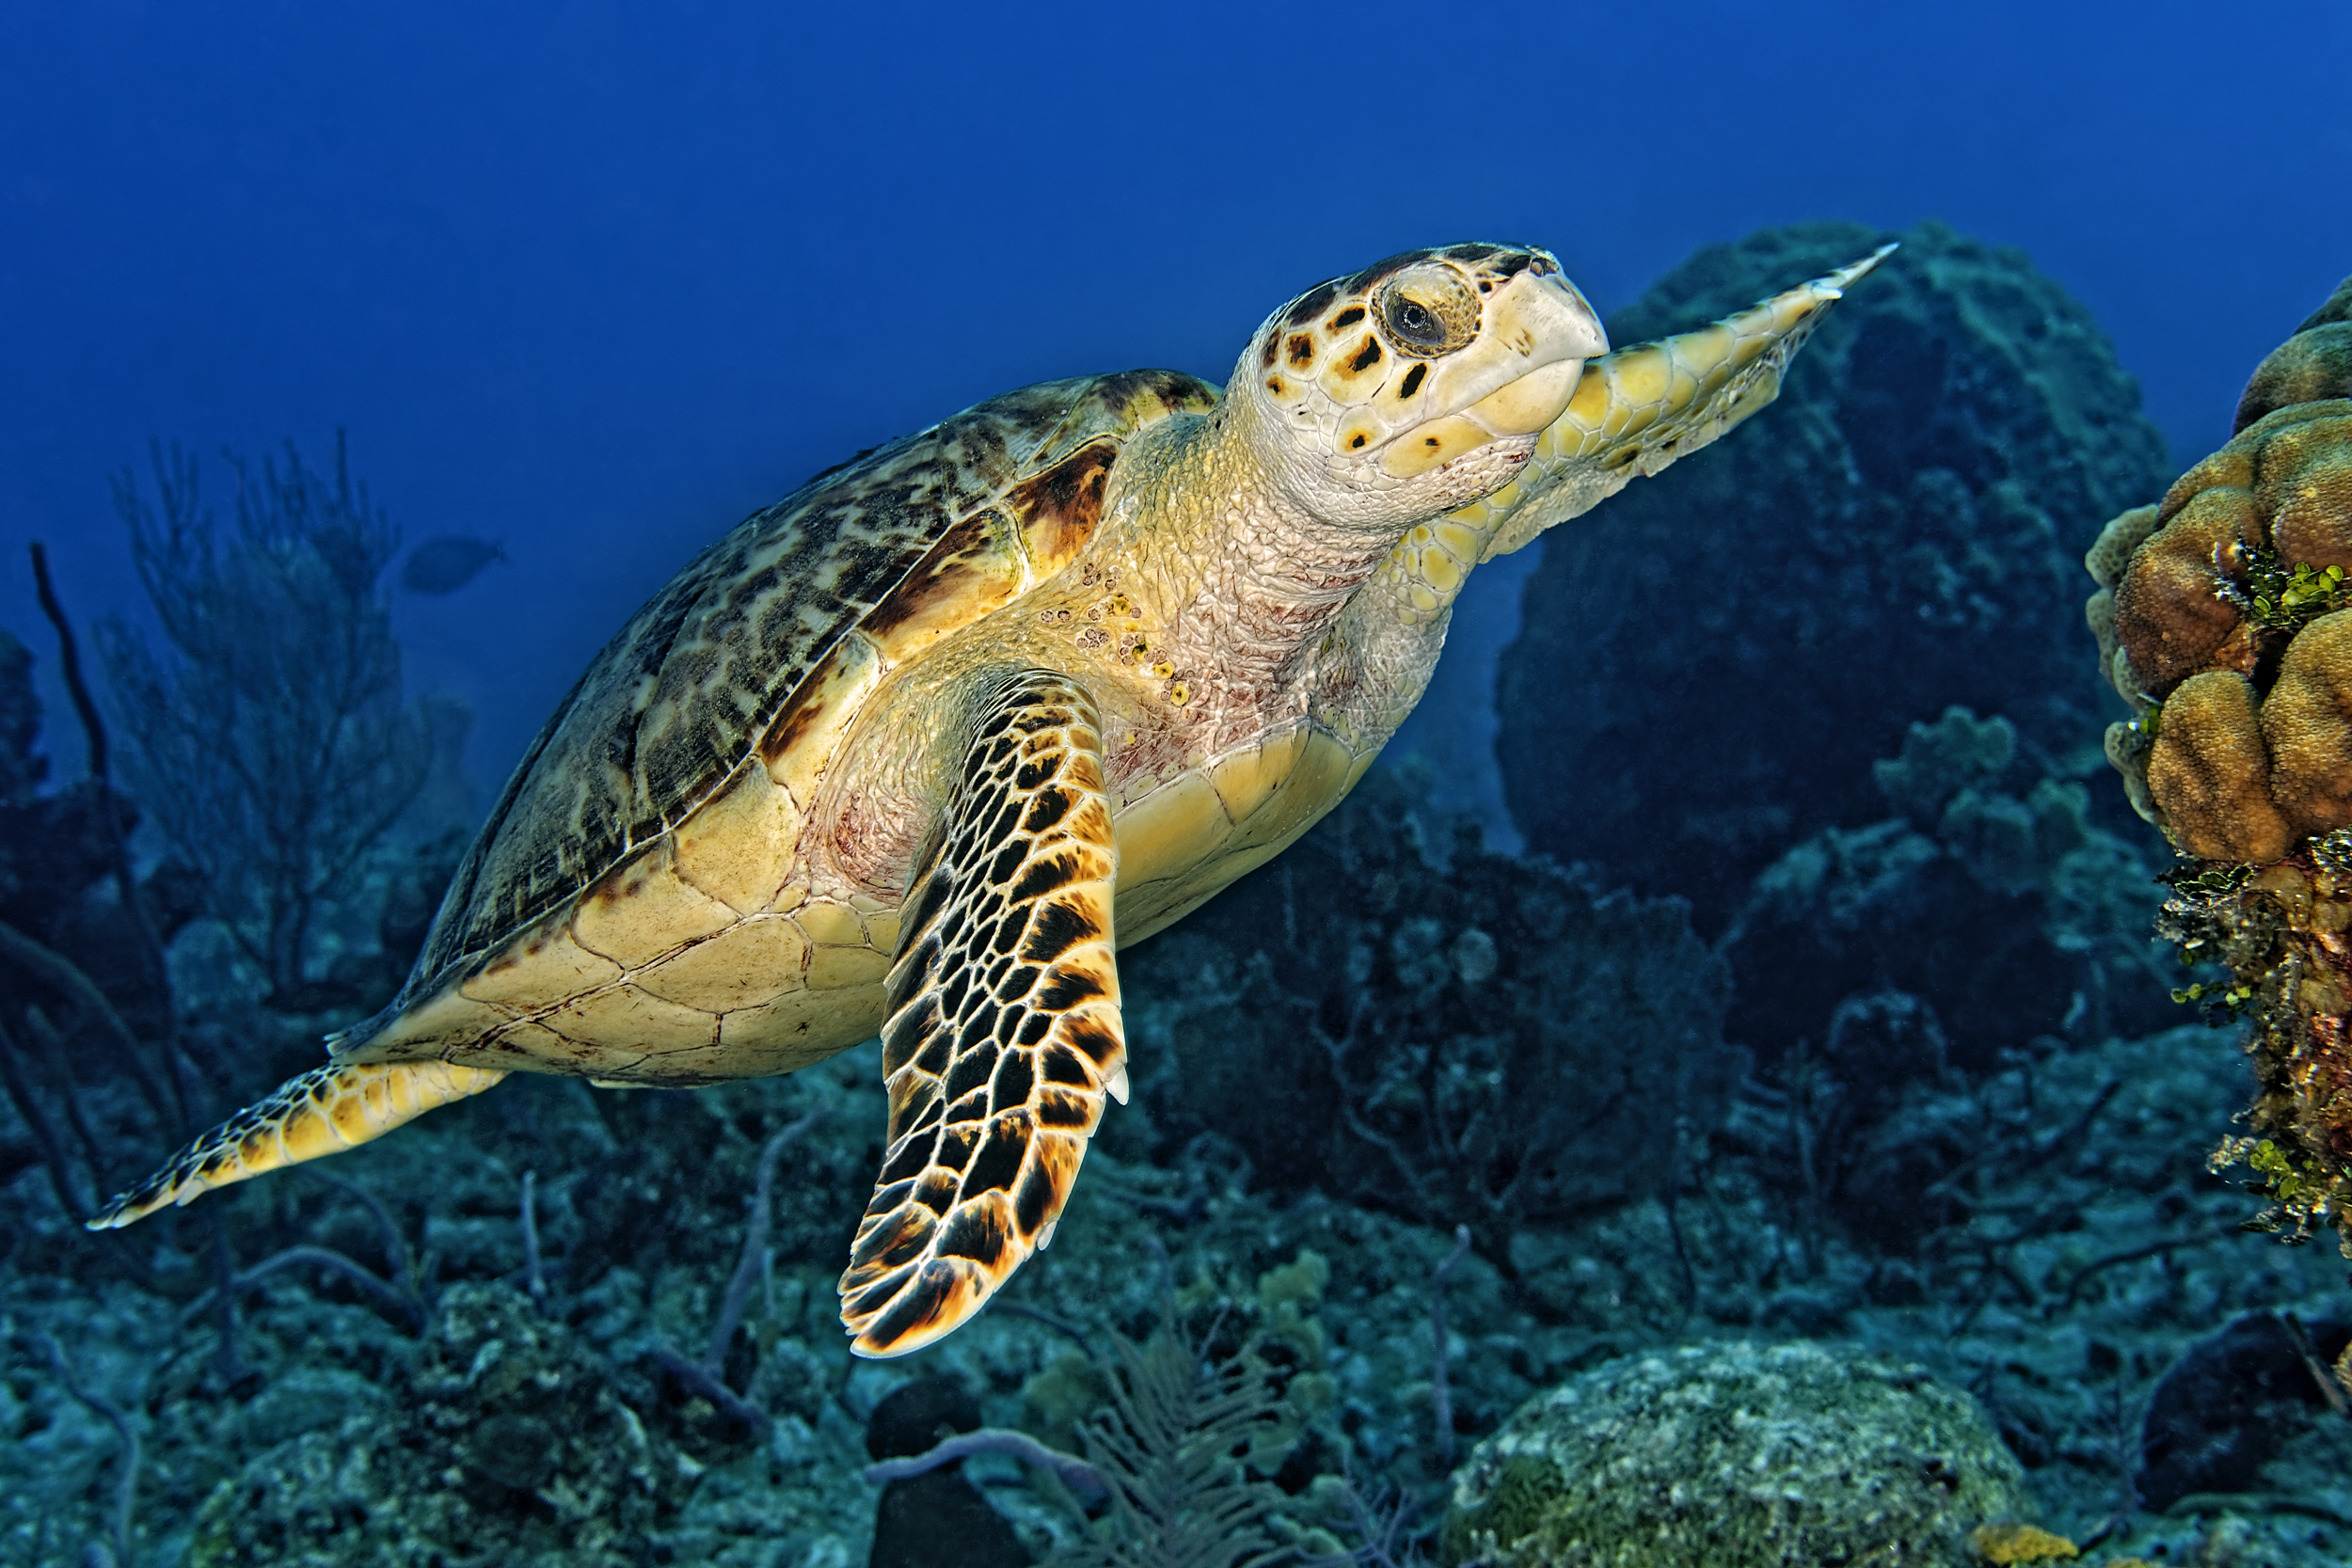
(2064, 1246)
(1735, 1456)
(1704, 674)
(1420, 1132)
(500, 1438)
(2224, 620)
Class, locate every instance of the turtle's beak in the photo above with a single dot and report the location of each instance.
(1550, 324)
(1537, 332)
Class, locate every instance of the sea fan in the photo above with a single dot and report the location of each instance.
(267, 739)
(1173, 1448)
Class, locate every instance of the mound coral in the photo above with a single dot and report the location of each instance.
(2313, 364)
(2224, 618)
(1732, 1455)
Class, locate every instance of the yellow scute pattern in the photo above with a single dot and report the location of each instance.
(643, 909)
(542, 964)
(519, 1047)
(831, 924)
(1177, 847)
(1313, 786)
(741, 967)
(804, 1026)
(1244, 779)
(431, 1029)
(1165, 831)
(628, 1021)
(720, 1063)
(738, 849)
(838, 968)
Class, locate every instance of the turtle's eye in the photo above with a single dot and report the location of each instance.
(1428, 311)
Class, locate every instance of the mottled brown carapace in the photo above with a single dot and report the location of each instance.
(1058, 511)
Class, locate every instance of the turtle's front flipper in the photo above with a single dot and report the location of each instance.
(324, 1111)
(1003, 1033)
(1642, 407)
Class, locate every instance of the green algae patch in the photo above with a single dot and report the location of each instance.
(1735, 1455)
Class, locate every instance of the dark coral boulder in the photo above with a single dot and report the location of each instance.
(938, 1516)
(1708, 668)
(2229, 1403)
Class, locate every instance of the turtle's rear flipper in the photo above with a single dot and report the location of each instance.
(324, 1112)
(1004, 1032)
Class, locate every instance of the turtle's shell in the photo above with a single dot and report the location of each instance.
(750, 661)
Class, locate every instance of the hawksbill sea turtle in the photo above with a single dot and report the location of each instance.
(916, 749)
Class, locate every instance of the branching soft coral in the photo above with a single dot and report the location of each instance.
(269, 741)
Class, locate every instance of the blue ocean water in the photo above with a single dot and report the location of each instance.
(589, 284)
(595, 280)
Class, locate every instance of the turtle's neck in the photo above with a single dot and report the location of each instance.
(1240, 581)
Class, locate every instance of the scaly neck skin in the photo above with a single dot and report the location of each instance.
(1238, 584)
(1395, 625)
(1269, 606)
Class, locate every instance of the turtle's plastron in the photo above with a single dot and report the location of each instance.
(324, 1111)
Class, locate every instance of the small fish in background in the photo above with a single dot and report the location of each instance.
(447, 562)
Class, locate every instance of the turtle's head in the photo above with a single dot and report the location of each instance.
(1416, 385)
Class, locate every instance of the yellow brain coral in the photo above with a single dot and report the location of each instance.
(2314, 364)
(2211, 771)
(2175, 608)
(2207, 602)
(2305, 721)
(2224, 617)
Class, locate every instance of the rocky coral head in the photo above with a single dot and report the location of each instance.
(1869, 1460)
(2227, 603)
(1417, 385)
(2224, 619)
